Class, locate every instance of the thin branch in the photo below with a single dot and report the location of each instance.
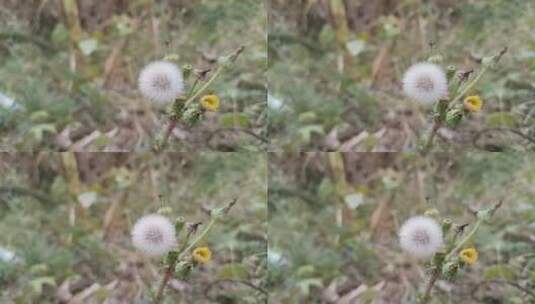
(40, 196)
(480, 134)
(251, 285)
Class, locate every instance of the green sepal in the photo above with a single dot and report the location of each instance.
(179, 224)
(183, 269)
(171, 257)
(454, 117)
(446, 225)
(450, 72)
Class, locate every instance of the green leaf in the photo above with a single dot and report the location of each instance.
(38, 283)
(37, 131)
(60, 35)
(307, 117)
(39, 269)
(305, 270)
(39, 116)
(499, 272)
(306, 132)
(88, 46)
(233, 271)
(306, 284)
(229, 120)
(502, 119)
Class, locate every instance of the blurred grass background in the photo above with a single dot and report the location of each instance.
(68, 78)
(334, 217)
(335, 68)
(65, 222)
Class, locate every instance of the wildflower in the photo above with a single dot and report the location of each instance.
(210, 102)
(154, 235)
(421, 236)
(425, 82)
(473, 103)
(161, 81)
(202, 255)
(469, 255)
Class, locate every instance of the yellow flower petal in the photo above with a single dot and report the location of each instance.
(210, 102)
(202, 255)
(469, 255)
(473, 103)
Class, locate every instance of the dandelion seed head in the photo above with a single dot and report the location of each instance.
(154, 235)
(425, 82)
(161, 81)
(421, 236)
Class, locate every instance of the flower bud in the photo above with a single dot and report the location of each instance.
(187, 69)
(454, 117)
(449, 271)
(446, 225)
(450, 72)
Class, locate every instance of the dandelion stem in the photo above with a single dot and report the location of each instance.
(168, 273)
(171, 269)
(168, 131)
(430, 284)
(434, 130)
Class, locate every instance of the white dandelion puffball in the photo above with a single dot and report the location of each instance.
(154, 235)
(425, 82)
(161, 81)
(421, 236)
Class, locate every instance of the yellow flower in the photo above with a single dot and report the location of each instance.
(210, 102)
(469, 255)
(202, 255)
(473, 103)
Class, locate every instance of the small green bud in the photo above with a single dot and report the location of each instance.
(164, 210)
(486, 214)
(449, 271)
(192, 115)
(171, 57)
(435, 59)
(454, 117)
(446, 225)
(432, 213)
(183, 269)
(187, 70)
(450, 72)
(179, 224)
(222, 211)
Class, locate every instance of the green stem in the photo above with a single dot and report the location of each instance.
(434, 130)
(205, 86)
(469, 86)
(430, 284)
(199, 237)
(466, 239)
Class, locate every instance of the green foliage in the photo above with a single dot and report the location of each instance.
(50, 251)
(89, 85)
(354, 90)
(329, 244)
